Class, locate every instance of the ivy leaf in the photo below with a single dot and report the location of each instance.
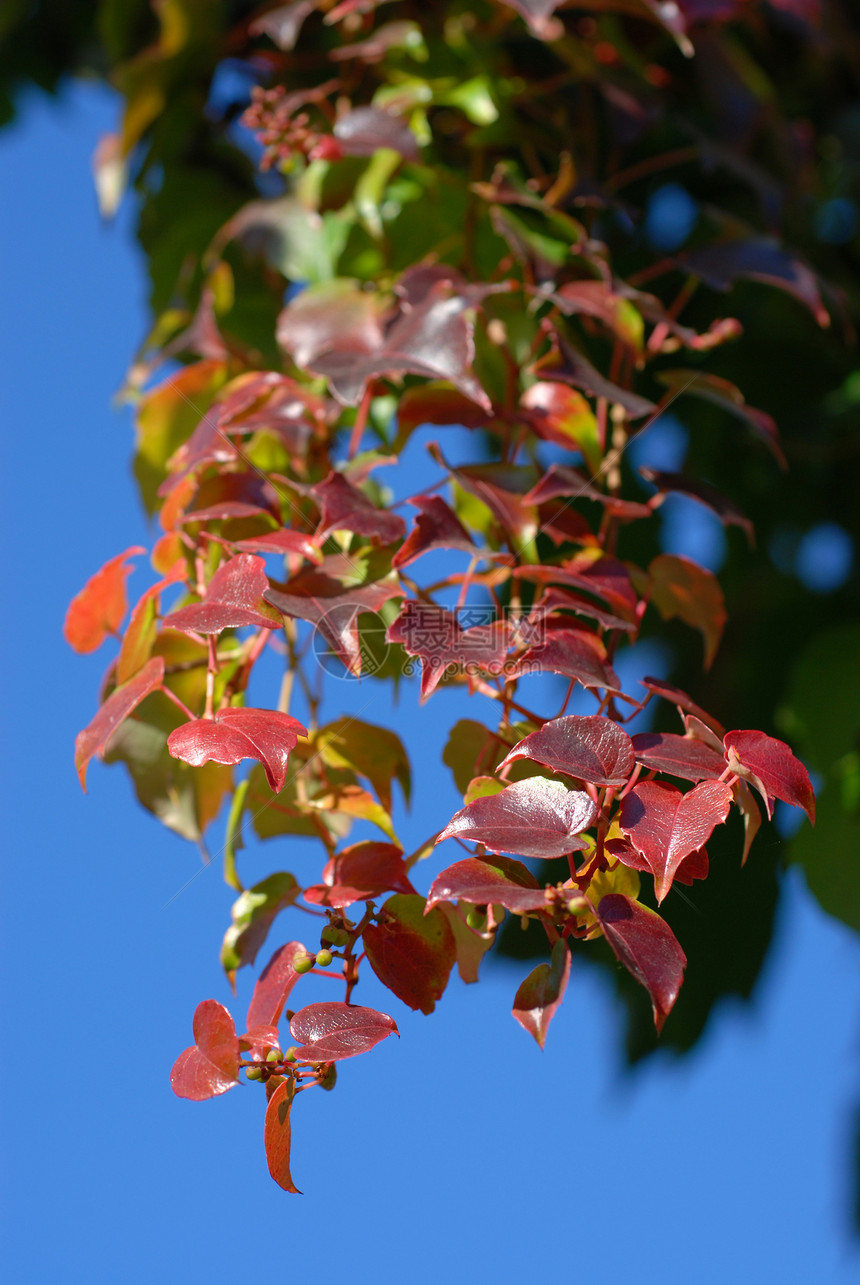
(140, 633)
(285, 542)
(100, 606)
(684, 756)
(277, 1135)
(574, 652)
(346, 508)
(273, 986)
(436, 527)
(329, 1032)
(211, 1065)
(359, 873)
(234, 598)
(666, 825)
(435, 634)
(560, 414)
(772, 768)
(333, 609)
(680, 699)
(412, 953)
(499, 881)
(534, 818)
(725, 509)
(646, 946)
(117, 707)
(235, 734)
(437, 403)
(374, 752)
(590, 747)
(682, 588)
(539, 997)
(596, 573)
(253, 914)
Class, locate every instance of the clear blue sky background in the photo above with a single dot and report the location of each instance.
(457, 1153)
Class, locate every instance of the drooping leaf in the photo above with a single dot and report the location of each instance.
(235, 734)
(595, 572)
(498, 881)
(759, 259)
(234, 597)
(680, 587)
(751, 813)
(591, 748)
(278, 1136)
(331, 1031)
(374, 752)
(683, 702)
(539, 997)
(684, 756)
(772, 763)
(666, 825)
(117, 707)
(470, 944)
(360, 872)
(253, 914)
(98, 609)
(346, 508)
(334, 609)
(436, 527)
(273, 986)
(568, 365)
(676, 483)
(211, 1065)
(412, 953)
(435, 634)
(574, 652)
(646, 946)
(534, 818)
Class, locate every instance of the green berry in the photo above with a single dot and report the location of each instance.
(254, 1072)
(324, 958)
(290, 1055)
(274, 1055)
(303, 963)
(477, 919)
(334, 936)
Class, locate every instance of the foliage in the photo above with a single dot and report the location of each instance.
(452, 222)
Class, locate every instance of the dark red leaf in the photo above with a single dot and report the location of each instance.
(684, 756)
(329, 1032)
(682, 588)
(436, 527)
(211, 1065)
(117, 707)
(285, 542)
(772, 763)
(646, 946)
(234, 598)
(277, 1135)
(604, 576)
(273, 986)
(437, 404)
(758, 259)
(412, 953)
(591, 748)
(683, 702)
(561, 479)
(346, 508)
(555, 599)
(235, 734)
(435, 634)
(533, 818)
(566, 364)
(496, 881)
(540, 995)
(666, 825)
(362, 131)
(575, 653)
(725, 509)
(333, 608)
(100, 606)
(695, 866)
(360, 872)
(723, 393)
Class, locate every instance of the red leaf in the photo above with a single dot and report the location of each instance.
(555, 600)
(211, 1065)
(333, 609)
(560, 479)
(567, 364)
(100, 606)
(695, 866)
(574, 652)
(540, 995)
(500, 882)
(771, 761)
(534, 818)
(284, 541)
(683, 701)
(234, 598)
(437, 404)
(646, 946)
(273, 986)
(684, 756)
(436, 527)
(117, 707)
(723, 393)
(725, 509)
(235, 734)
(360, 872)
(434, 634)
(412, 953)
(600, 574)
(346, 508)
(277, 1135)
(560, 414)
(591, 748)
(759, 259)
(682, 588)
(258, 1040)
(666, 825)
(329, 1032)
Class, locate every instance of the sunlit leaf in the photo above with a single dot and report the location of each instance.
(412, 953)
(539, 997)
(98, 609)
(211, 1065)
(646, 946)
(591, 748)
(329, 1032)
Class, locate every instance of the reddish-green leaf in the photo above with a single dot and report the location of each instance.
(772, 763)
(285, 542)
(346, 508)
(560, 414)
(142, 627)
(211, 1065)
(574, 652)
(666, 825)
(117, 707)
(590, 747)
(234, 598)
(100, 606)
(235, 734)
(412, 953)
(682, 588)
(277, 1135)
(329, 1032)
(496, 881)
(436, 527)
(684, 756)
(360, 872)
(273, 986)
(435, 634)
(646, 946)
(333, 609)
(534, 818)
(540, 995)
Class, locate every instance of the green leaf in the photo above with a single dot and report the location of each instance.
(372, 752)
(253, 915)
(472, 750)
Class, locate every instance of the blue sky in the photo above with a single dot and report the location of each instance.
(459, 1152)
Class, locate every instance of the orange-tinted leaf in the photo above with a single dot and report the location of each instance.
(211, 1065)
(540, 995)
(100, 606)
(117, 707)
(412, 953)
(646, 946)
(277, 1135)
(142, 627)
(273, 986)
(682, 588)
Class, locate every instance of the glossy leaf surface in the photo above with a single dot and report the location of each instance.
(684, 756)
(539, 997)
(253, 914)
(235, 734)
(666, 825)
(211, 1065)
(117, 707)
(98, 609)
(234, 598)
(360, 872)
(273, 986)
(331, 1031)
(646, 946)
(492, 881)
(773, 764)
(534, 818)
(277, 1135)
(589, 747)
